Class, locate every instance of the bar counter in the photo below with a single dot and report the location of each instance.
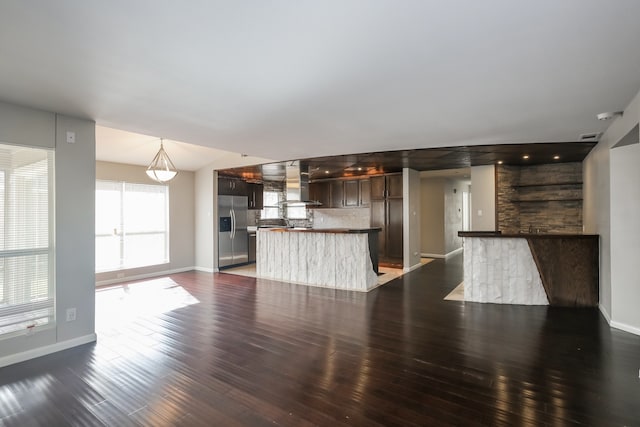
(533, 269)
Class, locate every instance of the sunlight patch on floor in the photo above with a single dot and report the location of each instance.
(122, 303)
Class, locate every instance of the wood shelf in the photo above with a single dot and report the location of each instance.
(556, 184)
(546, 200)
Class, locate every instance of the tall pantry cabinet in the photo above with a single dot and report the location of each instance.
(386, 213)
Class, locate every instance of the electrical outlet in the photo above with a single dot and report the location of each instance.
(71, 137)
(71, 314)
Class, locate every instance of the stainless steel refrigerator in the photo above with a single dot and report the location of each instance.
(233, 241)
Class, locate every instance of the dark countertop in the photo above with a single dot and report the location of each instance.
(324, 230)
(526, 235)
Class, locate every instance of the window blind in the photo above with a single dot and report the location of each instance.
(132, 225)
(26, 239)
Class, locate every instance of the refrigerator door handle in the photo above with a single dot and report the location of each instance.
(233, 223)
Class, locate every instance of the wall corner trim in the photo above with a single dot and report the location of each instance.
(413, 267)
(605, 313)
(47, 349)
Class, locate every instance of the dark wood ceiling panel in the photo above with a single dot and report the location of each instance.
(422, 160)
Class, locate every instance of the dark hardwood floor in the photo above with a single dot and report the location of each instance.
(223, 350)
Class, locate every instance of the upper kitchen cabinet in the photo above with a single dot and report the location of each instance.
(337, 194)
(321, 191)
(231, 187)
(351, 193)
(364, 192)
(255, 195)
(341, 193)
(386, 187)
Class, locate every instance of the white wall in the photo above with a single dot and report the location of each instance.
(74, 226)
(625, 234)
(411, 218)
(483, 198)
(181, 221)
(204, 190)
(604, 214)
(432, 217)
(453, 190)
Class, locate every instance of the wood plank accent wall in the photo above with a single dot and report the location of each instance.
(547, 198)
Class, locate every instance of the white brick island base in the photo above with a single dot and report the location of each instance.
(337, 259)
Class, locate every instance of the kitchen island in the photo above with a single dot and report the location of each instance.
(531, 269)
(337, 258)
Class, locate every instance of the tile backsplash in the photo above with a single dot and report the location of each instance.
(342, 218)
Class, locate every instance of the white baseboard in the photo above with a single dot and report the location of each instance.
(450, 254)
(413, 267)
(618, 325)
(206, 270)
(144, 276)
(47, 349)
(454, 252)
(605, 313)
(624, 327)
(429, 255)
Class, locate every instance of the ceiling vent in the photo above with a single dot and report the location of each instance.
(590, 136)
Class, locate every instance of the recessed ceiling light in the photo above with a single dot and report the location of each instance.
(556, 157)
(359, 169)
(526, 156)
(499, 162)
(326, 171)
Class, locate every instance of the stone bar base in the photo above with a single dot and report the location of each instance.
(332, 260)
(501, 271)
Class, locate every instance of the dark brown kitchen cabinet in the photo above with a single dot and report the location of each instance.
(394, 186)
(337, 194)
(386, 186)
(394, 228)
(379, 220)
(341, 193)
(351, 193)
(320, 191)
(231, 187)
(365, 192)
(386, 213)
(255, 196)
(252, 247)
(378, 187)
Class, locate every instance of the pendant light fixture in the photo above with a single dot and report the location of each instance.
(161, 168)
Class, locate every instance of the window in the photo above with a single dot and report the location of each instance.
(132, 225)
(270, 208)
(26, 239)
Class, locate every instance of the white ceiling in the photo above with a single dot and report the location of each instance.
(119, 146)
(292, 79)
